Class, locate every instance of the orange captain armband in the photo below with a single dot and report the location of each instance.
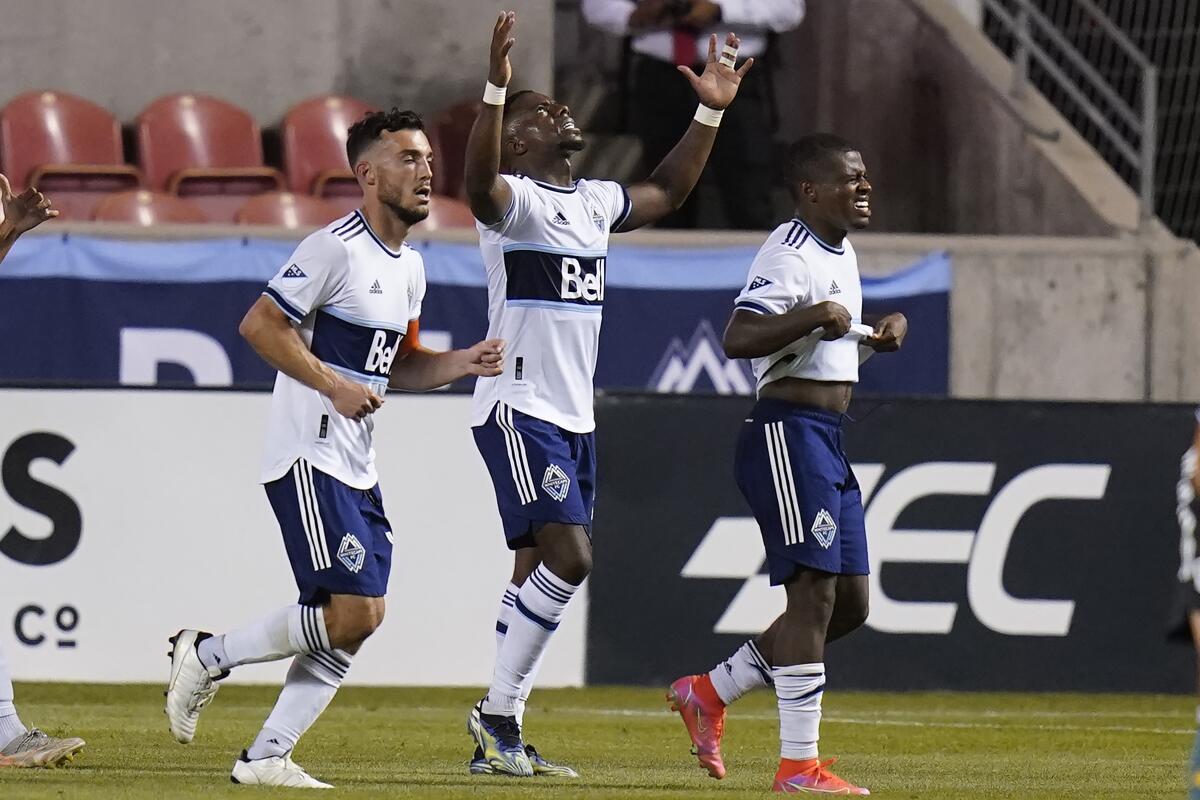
(412, 338)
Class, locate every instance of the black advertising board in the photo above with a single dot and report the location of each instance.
(1015, 545)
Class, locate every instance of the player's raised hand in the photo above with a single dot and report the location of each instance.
(889, 333)
(485, 359)
(25, 211)
(499, 69)
(353, 400)
(718, 84)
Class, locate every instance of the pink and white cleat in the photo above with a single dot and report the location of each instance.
(703, 713)
(813, 777)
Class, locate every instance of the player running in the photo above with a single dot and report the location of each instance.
(21, 746)
(544, 239)
(799, 321)
(340, 322)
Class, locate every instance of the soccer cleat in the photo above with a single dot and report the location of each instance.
(813, 777)
(273, 771)
(499, 740)
(541, 767)
(704, 718)
(33, 748)
(191, 687)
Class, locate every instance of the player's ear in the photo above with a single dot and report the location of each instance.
(516, 146)
(365, 173)
(808, 190)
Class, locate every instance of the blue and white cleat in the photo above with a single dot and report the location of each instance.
(499, 740)
(541, 767)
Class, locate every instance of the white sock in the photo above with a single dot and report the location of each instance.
(538, 608)
(10, 724)
(287, 632)
(743, 671)
(503, 617)
(799, 689)
(312, 681)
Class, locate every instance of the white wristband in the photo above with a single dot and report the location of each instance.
(493, 95)
(708, 116)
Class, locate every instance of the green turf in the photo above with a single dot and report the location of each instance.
(412, 743)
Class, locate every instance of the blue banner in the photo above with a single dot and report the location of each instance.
(80, 310)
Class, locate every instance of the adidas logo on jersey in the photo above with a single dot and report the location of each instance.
(759, 283)
(833, 288)
(560, 219)
(294, 272)
(376, 288)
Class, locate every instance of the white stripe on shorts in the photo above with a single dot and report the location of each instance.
(517, 459)
(310, 515)
(785, 485)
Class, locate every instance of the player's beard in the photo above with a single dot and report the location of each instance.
(409, 215)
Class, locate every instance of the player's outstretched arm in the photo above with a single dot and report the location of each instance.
(271, 333)
(673, 180)
(22, 212)
(420, 370)
(890, 330)
(751, 335)
(487, 193)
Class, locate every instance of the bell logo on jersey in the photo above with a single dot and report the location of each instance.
(580, 285)
(381, 356)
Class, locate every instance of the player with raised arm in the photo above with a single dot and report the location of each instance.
(544, 239)
(21, 746)
(799, 320)
(340, 322)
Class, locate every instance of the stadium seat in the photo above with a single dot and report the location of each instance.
(68, 147)
(146, 208)
(314, 145)
(448, 135)
(448, 212)
(205, 149)
(288, 210)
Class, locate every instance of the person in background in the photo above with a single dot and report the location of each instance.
(669, 34)
(1187, 619)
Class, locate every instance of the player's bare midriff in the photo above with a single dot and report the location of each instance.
(828, 395)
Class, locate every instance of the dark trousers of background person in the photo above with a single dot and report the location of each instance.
(662, 104)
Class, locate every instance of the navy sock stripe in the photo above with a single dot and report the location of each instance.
(805, 696)
(345, 662)
(307, 627)
(549, 589)
(757, 656)
(323, 658)
(534, 618)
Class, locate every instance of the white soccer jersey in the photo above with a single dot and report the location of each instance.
(545, 271)
(353, 298)
(793, 269)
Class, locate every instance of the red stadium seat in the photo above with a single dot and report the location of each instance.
(147, 208)
(448, 135)
(205, 149)
(447, 212)
(68, 147)
(288, 210)
(314, 145)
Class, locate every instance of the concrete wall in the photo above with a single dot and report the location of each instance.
(265, 55)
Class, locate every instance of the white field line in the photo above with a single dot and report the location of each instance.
(897, 723)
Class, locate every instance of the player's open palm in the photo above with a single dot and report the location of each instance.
(26, 210)
(485, 359)
(353, 400)
(718, 84)
(499, 68)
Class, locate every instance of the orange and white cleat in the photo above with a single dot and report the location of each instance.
(813, 777)
(703, 713)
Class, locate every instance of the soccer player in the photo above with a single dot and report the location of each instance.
(340, 323)
(21, 746)
(1187, 492)
(799, 320)
(544, 239)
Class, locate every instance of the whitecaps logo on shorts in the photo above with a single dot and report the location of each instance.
(351, 553)
(556, 483)
(824, 528)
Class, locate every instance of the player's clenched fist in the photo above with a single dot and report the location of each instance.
(353, 400)
(499, 69)
(836, 320)
(485, 359)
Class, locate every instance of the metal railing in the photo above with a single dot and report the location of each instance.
(1114, 104)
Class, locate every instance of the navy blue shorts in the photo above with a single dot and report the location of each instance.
(541, 472)
(799, 484)
(337, 537)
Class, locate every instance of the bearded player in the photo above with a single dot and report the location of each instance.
(544, 240)
(799, 320)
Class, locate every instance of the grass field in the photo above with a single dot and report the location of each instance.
(412, 743)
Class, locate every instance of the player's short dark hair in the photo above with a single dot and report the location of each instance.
(813, 158)
(367, 130)
(508, 102)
